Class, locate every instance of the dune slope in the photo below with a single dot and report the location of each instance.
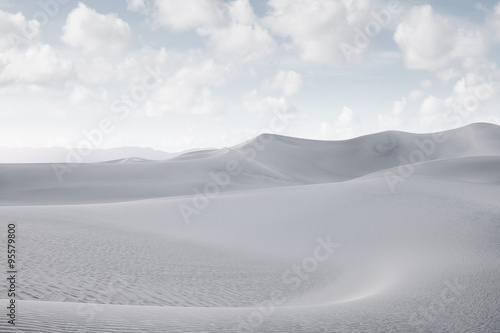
(266, 161)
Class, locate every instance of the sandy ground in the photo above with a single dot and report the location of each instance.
(307, 236)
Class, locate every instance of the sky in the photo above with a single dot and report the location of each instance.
(175, 75)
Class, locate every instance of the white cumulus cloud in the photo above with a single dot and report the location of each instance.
(346, 125)
(184, 15)
(319, 28)
(91, 31)
(38, 65)
(287, 82)
(465, 104)
(253, 101)
(15, 30)
(189, 90)
(232, 31)
(240, 42)
(136, 5)
(429, 41)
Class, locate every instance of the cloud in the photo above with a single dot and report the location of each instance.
(433, 42)
(287, 82)
(189, 90)
(242, 38)
(426, 84)
(404, 111)
(136, 5)
(396, 117)
(240, 11)
(432, 112)
(429, 41)
(346, 119)
(319, 28)
(24, 60)
(253, 101)
(415, 95)
(38, 65)
(473, 90)
(241, 43)
(90, 31)
(346, 125)
(232, 30)
(493, 23)
(464, 104)
(81, 93)
(480, 6)
(182, 15)
(96, 70)
(15, 30)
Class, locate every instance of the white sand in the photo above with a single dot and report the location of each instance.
(423, 256)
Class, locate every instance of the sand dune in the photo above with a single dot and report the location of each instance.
(307, 237)
(266, 161)
(61, 155)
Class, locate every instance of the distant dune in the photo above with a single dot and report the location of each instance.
(60, 154)
(266, 161)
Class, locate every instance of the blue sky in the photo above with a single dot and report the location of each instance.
(226, 71)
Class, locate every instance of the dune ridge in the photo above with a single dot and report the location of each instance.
(266, 161)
